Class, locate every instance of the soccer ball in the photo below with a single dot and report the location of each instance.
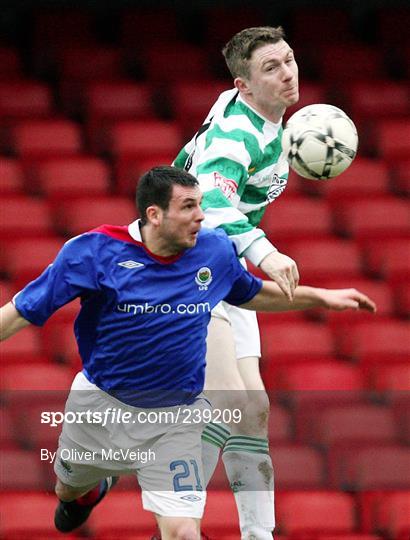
(319, 141)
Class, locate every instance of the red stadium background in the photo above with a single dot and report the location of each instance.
(92, 96)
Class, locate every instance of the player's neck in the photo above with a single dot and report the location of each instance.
(271, 114)
(156, 244)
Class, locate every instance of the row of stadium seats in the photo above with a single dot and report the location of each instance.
(326, 259)
(284, 341)
(63, 177)
(301, 515)
(128, 99)
(324, 417)
(37, 138)
(347, 466)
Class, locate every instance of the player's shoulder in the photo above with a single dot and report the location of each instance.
(99, 236)
(216, 238)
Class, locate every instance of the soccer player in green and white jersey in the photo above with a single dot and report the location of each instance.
(236, 156)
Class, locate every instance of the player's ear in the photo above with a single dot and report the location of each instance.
(242, 85)
(153, 214)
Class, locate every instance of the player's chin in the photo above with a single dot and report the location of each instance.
(292, 97)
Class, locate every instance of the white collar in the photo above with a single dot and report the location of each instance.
(276, 125)
(134, 230)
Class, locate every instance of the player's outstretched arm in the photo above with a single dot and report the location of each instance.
(11, 321)
(271, 298)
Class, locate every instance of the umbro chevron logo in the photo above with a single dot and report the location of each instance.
(130, 264)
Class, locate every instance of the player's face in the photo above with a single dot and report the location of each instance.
(273, 82)
(182, 220)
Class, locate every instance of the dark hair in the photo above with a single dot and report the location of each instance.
(239, 49)
(155, 187)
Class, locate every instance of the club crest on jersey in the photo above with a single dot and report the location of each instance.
(226, 185)
(203, 278)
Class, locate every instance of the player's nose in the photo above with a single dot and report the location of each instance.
(200, 214)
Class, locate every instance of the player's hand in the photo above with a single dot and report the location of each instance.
(283, 271)
(341, 299)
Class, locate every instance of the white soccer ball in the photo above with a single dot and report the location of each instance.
(319, 141)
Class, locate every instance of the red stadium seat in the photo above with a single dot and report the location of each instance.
(349, 536)
(385, 98)
(388, 259)
(26, 259)
(80, 64)
(393, 139)
(326, 259)
(121, 512)
(368, 467)
(12, 178)
(82, 215)
(34, 378)
(59, 339)
(355, 423)
(297, 341)
(128, 170)
(32, 432)
(162, 63)
(401, 177)
(25, 99)
(46, 138)
(118, 100)
(280, 425)
(322, 381)
(311, 512)
(107, 102)
(394, 378)
(221, 516)
(10, 64)
(24, 347)
(21, 470)
(374, 341)
(297, 218)
(374, 219)
(29, 515)
(24, 216)
(192, 100)
(145, 139)
(88, 62)
(394, 514)
(402, 299)
(8, 432)
(297, 467)
(71, 177)
(335, 62)
(387, 512)
(364, 178)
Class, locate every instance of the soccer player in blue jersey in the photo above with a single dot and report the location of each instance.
(147, 291)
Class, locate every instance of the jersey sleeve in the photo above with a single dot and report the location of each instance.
(72, 274)
(222, 172)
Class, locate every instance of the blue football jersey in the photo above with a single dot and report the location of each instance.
(141, 330)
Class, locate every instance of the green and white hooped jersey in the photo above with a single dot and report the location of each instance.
(237, 157)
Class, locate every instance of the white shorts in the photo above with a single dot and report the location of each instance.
(244, 326)
(161, 446)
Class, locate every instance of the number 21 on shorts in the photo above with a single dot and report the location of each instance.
(185, 470)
